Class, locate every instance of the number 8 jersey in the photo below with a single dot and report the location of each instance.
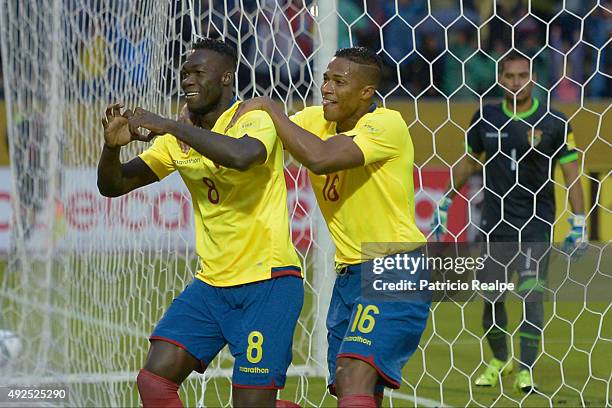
(373, 203)
(241, 218)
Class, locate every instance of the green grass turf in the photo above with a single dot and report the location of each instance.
(125, 296)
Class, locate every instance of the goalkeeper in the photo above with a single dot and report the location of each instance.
(520, 147)
(248, 292)
(360, 158)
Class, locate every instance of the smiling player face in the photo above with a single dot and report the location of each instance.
(343, 89)
(203, 76)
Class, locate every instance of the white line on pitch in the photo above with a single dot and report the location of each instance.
(420, 401)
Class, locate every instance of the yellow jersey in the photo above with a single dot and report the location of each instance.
(371, 205)
(241, 218)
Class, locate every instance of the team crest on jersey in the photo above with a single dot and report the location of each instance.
(184, 147)
(534, 137)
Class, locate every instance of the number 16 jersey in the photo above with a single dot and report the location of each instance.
(373, 203)
(241, 218)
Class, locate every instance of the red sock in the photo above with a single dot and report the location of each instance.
(286, 404)
(156, 391)
(357, 401)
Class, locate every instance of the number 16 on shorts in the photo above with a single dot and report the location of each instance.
(364, 320)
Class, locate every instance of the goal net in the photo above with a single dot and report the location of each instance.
(86, 278)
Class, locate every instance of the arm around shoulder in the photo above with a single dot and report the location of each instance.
(338, 153)
(248, 152)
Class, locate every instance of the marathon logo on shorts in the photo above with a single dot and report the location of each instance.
(358, 339)
(254, 370)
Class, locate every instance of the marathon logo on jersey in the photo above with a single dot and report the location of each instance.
(534, 137)
(191, 160)
(496, 134)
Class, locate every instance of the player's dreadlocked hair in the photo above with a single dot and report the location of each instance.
(362, 55)
(218, 46)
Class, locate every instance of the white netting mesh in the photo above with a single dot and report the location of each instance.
(88, 277)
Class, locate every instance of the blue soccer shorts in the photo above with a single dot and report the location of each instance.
(256, 320)
(383, 331)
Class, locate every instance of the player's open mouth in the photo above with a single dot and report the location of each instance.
(327, 102)
(191, 94)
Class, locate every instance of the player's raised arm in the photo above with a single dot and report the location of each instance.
(320, 156)
(348, 89)
(116, 178)
(239, 154)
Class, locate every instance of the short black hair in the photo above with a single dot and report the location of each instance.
(362, 55)
(512, 56)
(218, 46)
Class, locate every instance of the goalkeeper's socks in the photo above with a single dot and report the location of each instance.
(529, 352)
(357, 401)
(499, 345)
(494, 321)
(156, 391)
(286, 404)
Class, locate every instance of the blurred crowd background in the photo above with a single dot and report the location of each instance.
(448, 50)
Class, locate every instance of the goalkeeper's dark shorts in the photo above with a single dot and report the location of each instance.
(504, 257)
(256, 320)
(383, 331)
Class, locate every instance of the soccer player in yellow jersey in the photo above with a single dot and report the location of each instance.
(360, 158)
(248, 292)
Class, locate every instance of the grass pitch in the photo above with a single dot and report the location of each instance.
(98, 311)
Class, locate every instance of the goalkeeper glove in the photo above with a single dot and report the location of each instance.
(440, 218)
(575, 243)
